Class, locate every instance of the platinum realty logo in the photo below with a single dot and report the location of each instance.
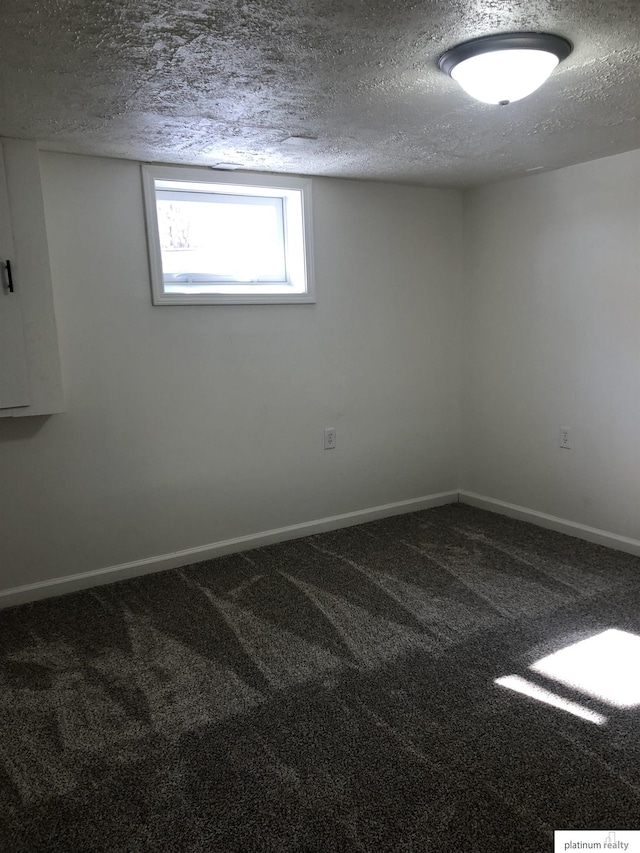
(627, 841)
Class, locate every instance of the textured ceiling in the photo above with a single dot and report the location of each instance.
(230, 80)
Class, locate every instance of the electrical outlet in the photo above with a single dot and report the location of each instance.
(565, 438)
(329, 438)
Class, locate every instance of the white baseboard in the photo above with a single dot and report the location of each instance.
(553, 522)
(98, 577)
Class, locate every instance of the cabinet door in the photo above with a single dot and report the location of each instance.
(14, 371)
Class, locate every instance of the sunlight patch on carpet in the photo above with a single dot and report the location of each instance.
(521, 685)
(605, 666)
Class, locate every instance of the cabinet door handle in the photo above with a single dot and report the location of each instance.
(9, 276)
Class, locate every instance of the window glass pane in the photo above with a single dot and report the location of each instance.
(216, 237)
(213, 241)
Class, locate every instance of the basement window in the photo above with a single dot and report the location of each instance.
(221, 239)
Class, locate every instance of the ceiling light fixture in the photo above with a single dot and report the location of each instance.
(504, 68)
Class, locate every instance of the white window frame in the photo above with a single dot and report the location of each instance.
(296, 203)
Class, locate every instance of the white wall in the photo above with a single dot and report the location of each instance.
(552, 324)
(187, 426)
(190, 425)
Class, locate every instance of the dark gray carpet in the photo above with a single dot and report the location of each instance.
(335, 693)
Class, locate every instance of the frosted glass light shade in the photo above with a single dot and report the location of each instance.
(503, 76)
(504, 68)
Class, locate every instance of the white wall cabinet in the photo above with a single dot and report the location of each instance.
(30, 375)
(14, 370)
